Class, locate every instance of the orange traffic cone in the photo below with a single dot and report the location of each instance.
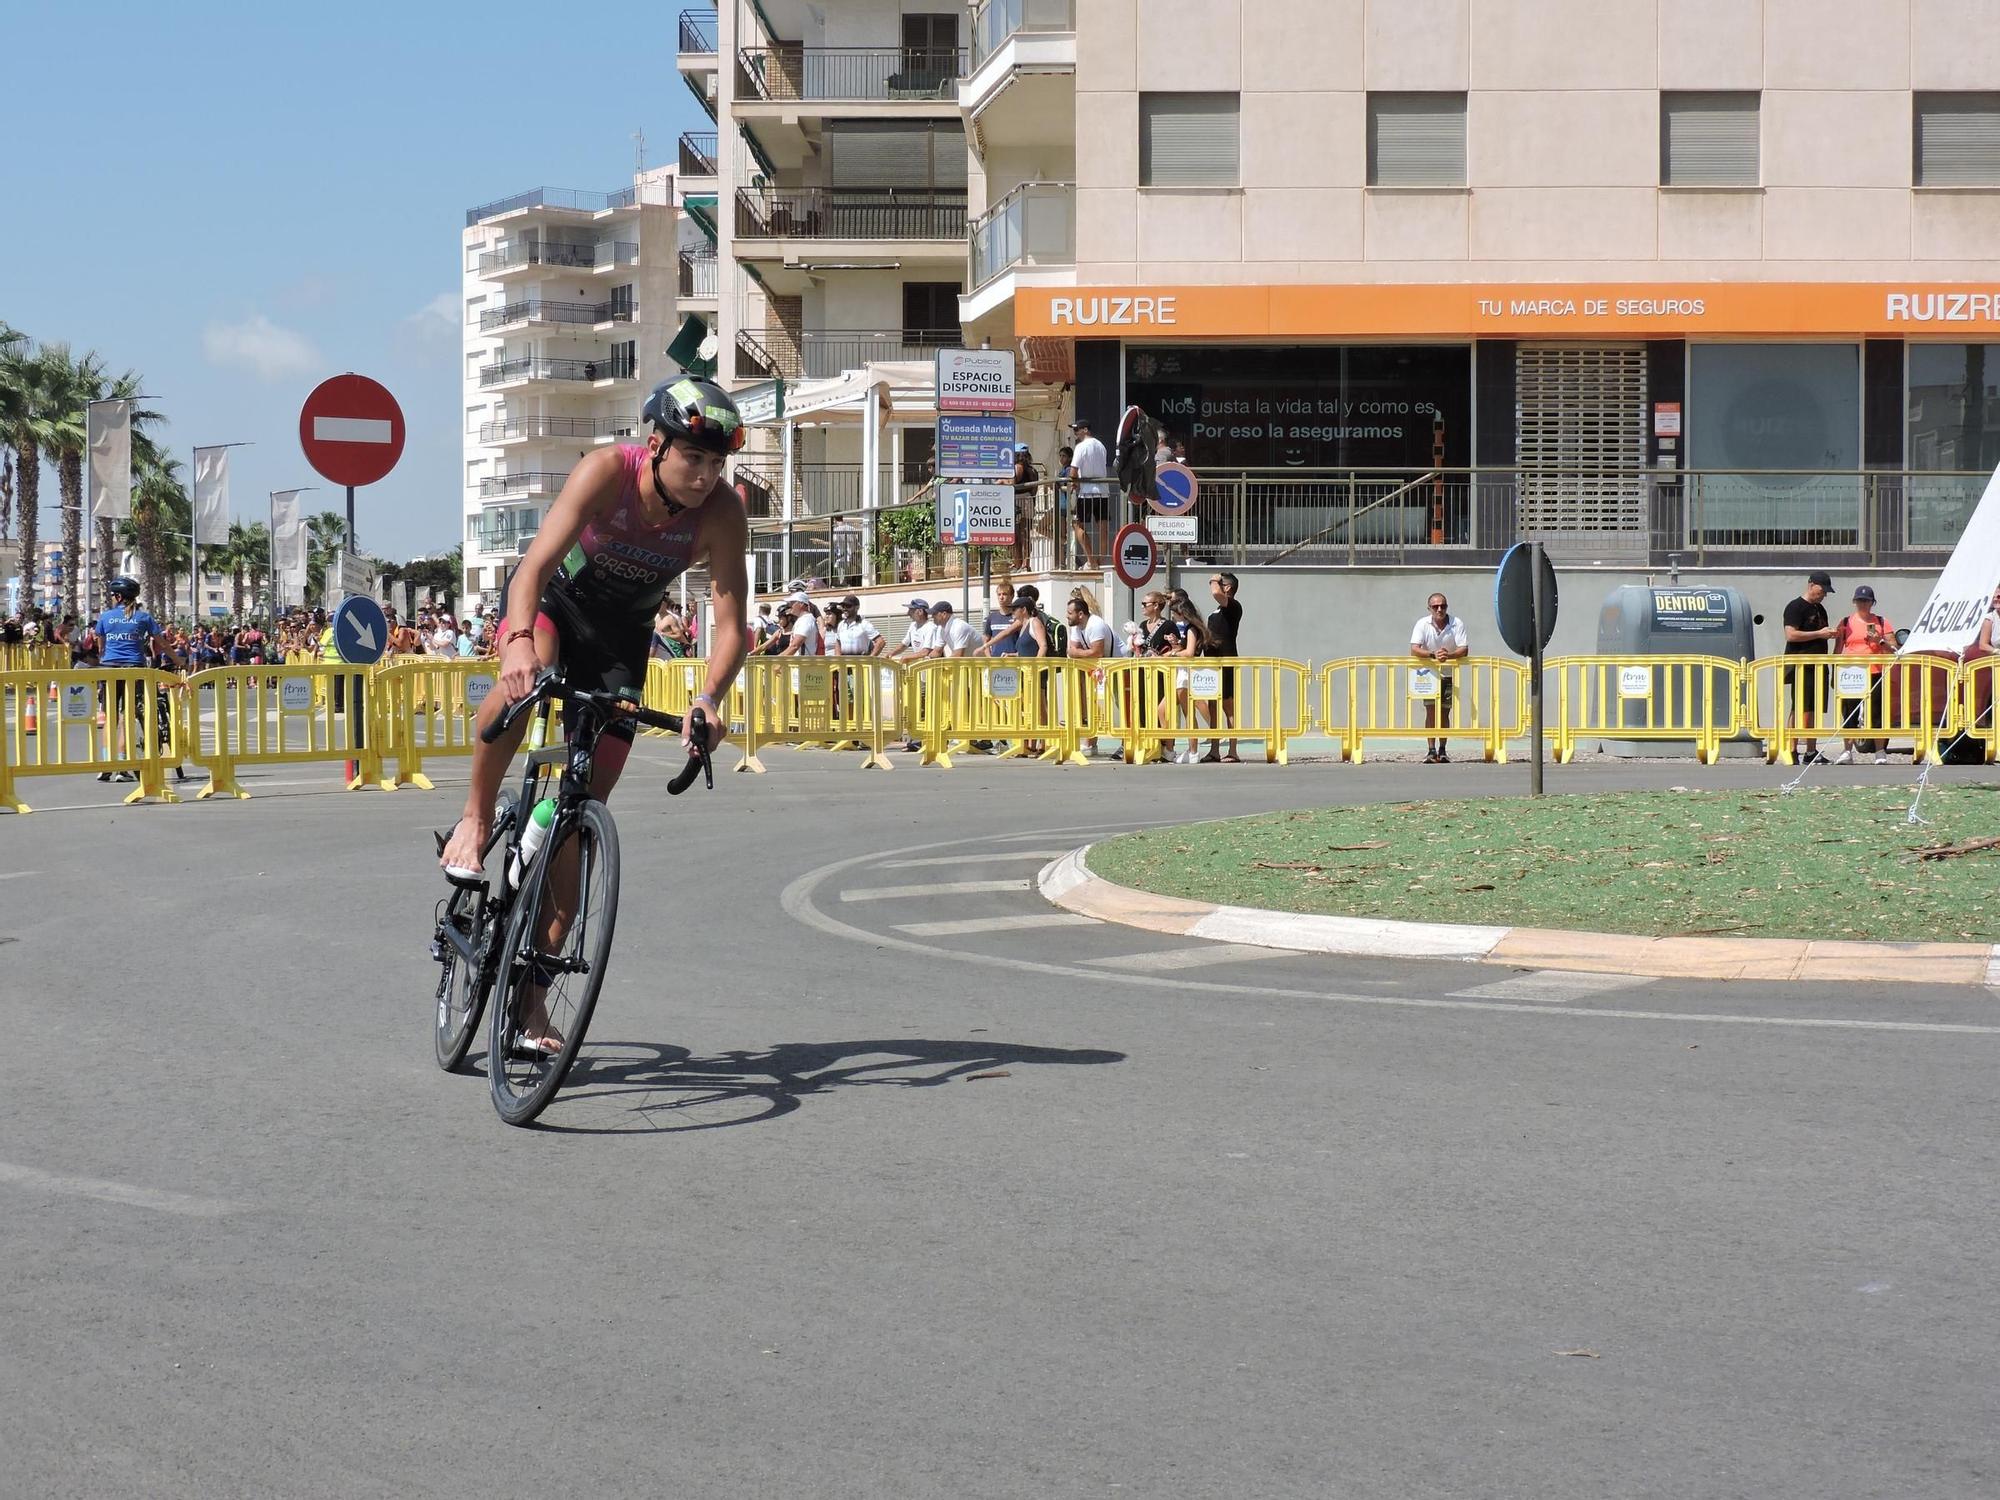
(30, 722)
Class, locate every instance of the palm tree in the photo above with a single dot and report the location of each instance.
(249, 557)
(327, 536)
(25, 408)
(162, 515)
(11, 339)
(69, 384)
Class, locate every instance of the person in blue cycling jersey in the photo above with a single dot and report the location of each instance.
(130, 636)
(629, 521)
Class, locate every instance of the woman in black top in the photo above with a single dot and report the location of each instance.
(1223, 625)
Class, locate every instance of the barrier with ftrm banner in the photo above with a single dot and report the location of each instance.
(1478, 698)
(301, 720)
(1152, 703)
(426, 707)
(105, 720)
(816, 700)
(1023, 703)
(1871, 699)
(1697, 698)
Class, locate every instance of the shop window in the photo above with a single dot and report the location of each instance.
(1775, 433)
(1955, 406)
(1957, 138)
(1416, 140)
(1708, 139)
(1188, 140)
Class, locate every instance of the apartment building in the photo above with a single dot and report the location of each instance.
(570, 302)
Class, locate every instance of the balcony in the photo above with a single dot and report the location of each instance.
(528, 313)
(874, 214)
(1021, 89)
(820, 489)
(790, 73)
(533, 429)
(566, 200)
(698, 153)
(697, 35)
(502, 485)
(530, 370)
(698, 281)
(831, 351)
(504, 532)
(1031, 230)
(767, 354)
(532, 254)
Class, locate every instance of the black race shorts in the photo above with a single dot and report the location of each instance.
(596, 656)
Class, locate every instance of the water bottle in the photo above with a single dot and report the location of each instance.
(532, 838)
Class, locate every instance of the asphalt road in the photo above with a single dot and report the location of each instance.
(1230, 1224)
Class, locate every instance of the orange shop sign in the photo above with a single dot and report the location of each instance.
(1473, 309)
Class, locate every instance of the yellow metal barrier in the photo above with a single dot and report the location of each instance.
(1151, 703)
(426, 706)
(43, 656)
(1796, 698)
(1485, 698)
(105, 719)
(672, 686)
(1697, 698)
(306, 719)
(1979, 683)
(816, 700)
(1026, 702)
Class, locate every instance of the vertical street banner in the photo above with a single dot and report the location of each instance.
(109, 429)
(288, 548)
(211, 496)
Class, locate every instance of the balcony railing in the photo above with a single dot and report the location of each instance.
(538, 253)
(502, 533)
(831, 351)
(1034, 225)
(507, 371)
(557, 427)
(556, 312)
(849, 214)
(768, 355)
(698, 33)
(698, 275)
(790, 71)
(520, 484)
(996, 20)
(698, 153)
(573, 199)
(820, 489)
(615, 253)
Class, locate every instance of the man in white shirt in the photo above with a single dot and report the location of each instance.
(853, 635)
(955, 637)
(1093, 495)
(1439, 639)
(921, 640)
(1090, 639)
(804, 628)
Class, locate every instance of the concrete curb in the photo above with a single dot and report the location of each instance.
(1067, 882)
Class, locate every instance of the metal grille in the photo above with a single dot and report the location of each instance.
(1580, 412)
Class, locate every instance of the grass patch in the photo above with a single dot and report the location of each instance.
(1824, 862)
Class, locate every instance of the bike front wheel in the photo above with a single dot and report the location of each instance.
(552, 964)
(461, 992)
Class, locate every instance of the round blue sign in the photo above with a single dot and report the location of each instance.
(1178, 490)
(360, 630)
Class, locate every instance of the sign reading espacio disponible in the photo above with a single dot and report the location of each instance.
(975, 380)
(1473, 309)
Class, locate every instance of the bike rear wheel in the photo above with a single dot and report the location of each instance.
(462, 988)
(576, 873)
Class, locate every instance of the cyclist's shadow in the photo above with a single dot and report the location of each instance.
(668, 1088)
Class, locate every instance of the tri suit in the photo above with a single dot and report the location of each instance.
(601, 603)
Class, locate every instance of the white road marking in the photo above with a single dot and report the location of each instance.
(1169, 959)
(948, 860)
(998, 924)
(156, 1199)
(1555, 986)
(18, 874)
(937, 888)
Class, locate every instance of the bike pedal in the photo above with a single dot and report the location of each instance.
(467, 882)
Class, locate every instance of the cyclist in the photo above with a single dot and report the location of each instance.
(629, 521)
(130, 636)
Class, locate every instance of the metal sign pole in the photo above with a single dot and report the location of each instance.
(1535, 668)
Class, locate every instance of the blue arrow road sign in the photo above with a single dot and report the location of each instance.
(360, 630)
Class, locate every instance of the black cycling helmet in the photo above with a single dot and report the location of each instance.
(696, 410)
(124, 586)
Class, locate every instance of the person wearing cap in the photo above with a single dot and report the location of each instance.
(804, 637)
(1093, 495)
(956, 637)
(853, 635)
(921, 640)
(1807, 634)
(1865, 633)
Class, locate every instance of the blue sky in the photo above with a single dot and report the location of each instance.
(240, 200)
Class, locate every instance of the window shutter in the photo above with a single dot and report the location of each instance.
(888, 154)
(1958, 140)
(1188, 140)
(1416, 140)
(1708, 140)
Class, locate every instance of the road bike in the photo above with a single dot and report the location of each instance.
(528, 932)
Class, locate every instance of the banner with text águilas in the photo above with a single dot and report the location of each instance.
(1476, 310)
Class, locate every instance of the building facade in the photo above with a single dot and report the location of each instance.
(570, 301)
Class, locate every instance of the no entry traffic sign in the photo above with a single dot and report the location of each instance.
(351, 430)
(1134, 556)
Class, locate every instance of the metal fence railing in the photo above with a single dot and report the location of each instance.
(556, 312)
(996, 20)
(698, 33)
(834, 350)
(791, 71)
(538, 253)
(609, 367)
(1034, 225)
(530, 483)
(698, 153)
(698, 274)
(573, 199)
(557, 427)
(503, 534)
(850, 214)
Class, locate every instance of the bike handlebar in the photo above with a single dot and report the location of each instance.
(549, 683)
